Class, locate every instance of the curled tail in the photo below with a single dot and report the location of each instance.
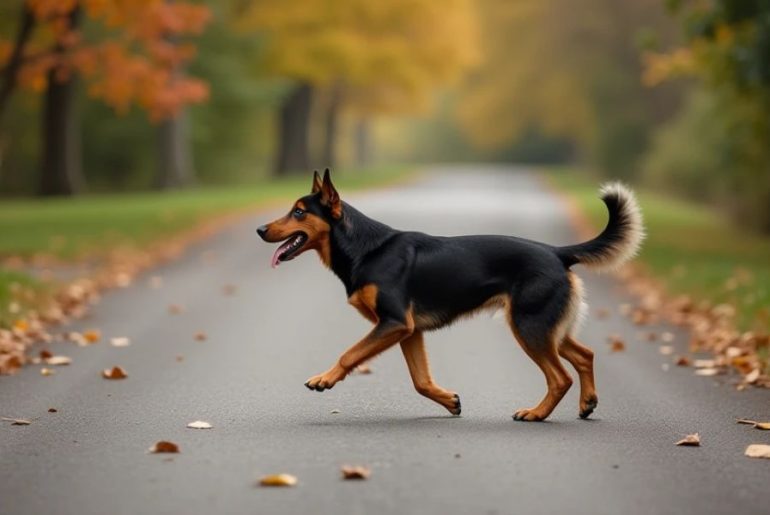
(619, 241)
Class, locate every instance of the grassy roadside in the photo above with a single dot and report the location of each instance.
(70, 230)
(692, 249)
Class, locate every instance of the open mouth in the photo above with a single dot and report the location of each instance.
(289, 248)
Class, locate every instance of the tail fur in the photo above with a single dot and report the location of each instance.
(619, 241)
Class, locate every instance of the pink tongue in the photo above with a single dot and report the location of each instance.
(275, 261)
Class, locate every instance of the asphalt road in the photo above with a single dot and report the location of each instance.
(282, 326)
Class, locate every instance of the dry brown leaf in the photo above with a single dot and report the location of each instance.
(199, 424)
(617, 345)
(355, 472)
(363, 368)
(17, 421)
(764, 426)
(47, 371)
(164, 447)
(692, 440)
(278, 480)
(752, 376)
(758, 450)
(44, 354)
(52, 410)
(200, 336)
(682, 361)
(58, 361)
(114, 373)
(92, 336)
(120, 341)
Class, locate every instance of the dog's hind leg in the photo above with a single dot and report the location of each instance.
(582, 358)
(416, 358)
(537, 310)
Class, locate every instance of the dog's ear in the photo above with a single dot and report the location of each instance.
(329, 196)
(317, 184)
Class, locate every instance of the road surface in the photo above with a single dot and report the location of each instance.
(282, 326)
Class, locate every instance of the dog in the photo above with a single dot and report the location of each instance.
(409, 283)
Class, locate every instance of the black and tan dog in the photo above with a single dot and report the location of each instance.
(407, 283)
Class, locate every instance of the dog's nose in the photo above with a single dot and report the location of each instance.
(262, 231)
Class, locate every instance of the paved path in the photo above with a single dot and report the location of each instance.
(285, 325)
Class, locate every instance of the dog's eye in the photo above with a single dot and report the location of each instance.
(298, 213)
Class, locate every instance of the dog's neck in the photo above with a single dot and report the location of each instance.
(351, 239)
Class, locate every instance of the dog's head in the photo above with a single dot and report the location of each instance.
(307, 224)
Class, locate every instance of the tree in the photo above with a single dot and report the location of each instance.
(123, 55)
(371, 56)
(728, 48)
(569, 70)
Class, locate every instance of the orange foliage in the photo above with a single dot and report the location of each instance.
(137, 63)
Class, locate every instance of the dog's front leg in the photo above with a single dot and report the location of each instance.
(385, 334)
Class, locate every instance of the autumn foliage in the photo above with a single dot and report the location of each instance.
(128, 51)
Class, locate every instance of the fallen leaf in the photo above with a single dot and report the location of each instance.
(704, 363)
(52, 410)
(707, 372)
(44, 354)
(758, 450)
(692, 440)
(363, 368)
(682, 361)
(200, 336)
(355, 472)
(120, 342)
(278, 480)
(17, 421)
(47, 371)
(92, 336)
(58, 360)
(335, 412)
(164, 447)
(199, 424)
(752, 376)
(21, 325)
(666, 350)
(617, 345)
(764, 426)
(114, 373)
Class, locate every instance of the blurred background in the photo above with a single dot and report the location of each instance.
(109, 96)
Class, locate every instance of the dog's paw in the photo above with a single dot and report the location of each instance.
(588, 407)
(528, 415)
(455, 408)
(325, 381)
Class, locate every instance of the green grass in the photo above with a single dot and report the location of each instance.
(74, 228)
(693, 249)
(87, 227)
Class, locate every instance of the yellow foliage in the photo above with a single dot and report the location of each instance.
(386, 55)
(659, 67)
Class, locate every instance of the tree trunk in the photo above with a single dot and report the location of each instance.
(61, 172)
(11, 70)
(175, 168)
(362, 143)
(328, 158)
(293, 131)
